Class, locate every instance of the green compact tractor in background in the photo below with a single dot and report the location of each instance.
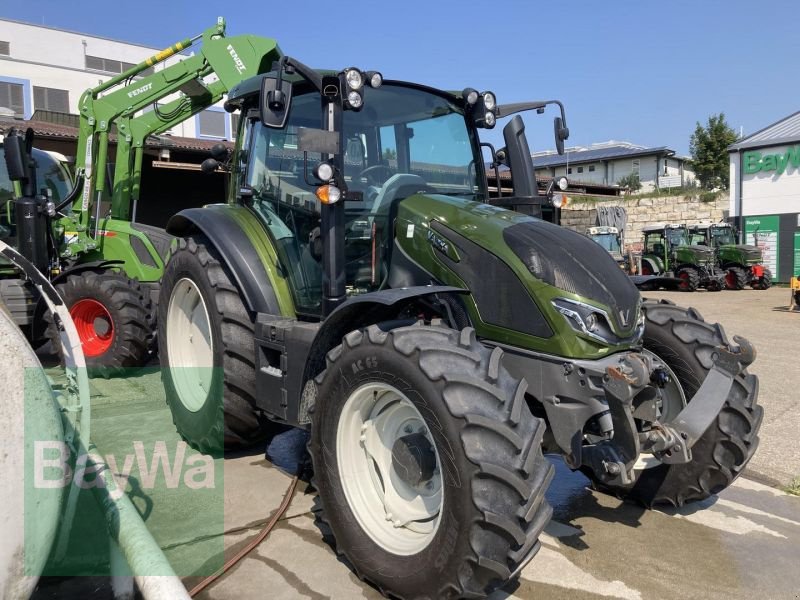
(668, 251)
(741, 263)
(356, 282)
(105, 265)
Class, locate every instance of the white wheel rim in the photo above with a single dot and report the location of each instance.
(189, 345)
(673, 392)
(399, 517)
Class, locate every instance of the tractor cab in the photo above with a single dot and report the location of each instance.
(326, 178)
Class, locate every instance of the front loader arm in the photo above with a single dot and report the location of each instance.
(223, 61)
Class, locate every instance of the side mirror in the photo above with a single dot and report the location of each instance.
(16, 157)
(275, 102)
(561, 133)
(219, 152)
(209, 165)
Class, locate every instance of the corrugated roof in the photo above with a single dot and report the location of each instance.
(587, 156)
(785, 131)
(61, 131)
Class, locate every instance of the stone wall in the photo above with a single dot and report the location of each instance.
(581, 212)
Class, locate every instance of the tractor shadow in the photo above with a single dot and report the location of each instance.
(574, 501)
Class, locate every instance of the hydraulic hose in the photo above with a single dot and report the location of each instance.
(287, 501)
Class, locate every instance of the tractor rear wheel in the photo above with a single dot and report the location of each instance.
(735, 278)
(690, 279)
(207, 351)
(428, 462)
(112, 318)
(686, 345)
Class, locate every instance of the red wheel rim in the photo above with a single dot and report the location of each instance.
(94, 325)
(730, 280)
(684, 280)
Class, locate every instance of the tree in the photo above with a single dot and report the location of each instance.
(630, 182)
(709, 148)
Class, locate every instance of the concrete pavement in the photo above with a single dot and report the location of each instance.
(762, 318)
(741, 544)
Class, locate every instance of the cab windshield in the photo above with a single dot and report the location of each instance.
(722, 236)
(406, 140)
(609, 241)
(677, 237)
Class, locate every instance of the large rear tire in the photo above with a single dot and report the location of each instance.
(468, 520)
(113, 321)
(687, 345)
(207, 350)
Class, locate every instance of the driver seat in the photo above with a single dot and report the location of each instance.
(391, 190)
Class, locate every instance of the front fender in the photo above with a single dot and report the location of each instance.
(361, 311)
(255, 272)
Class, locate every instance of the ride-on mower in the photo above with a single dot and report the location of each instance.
(355, 282)
(741, 263)
(668, 252)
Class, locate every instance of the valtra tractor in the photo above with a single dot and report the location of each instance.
(356, 283)
(668, 252)
(741, 263)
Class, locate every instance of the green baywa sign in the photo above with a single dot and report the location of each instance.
(755, 162)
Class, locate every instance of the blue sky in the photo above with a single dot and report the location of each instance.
(638, 71)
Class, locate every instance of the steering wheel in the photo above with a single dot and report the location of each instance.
(373, 175)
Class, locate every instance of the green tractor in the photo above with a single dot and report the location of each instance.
(668, 252)
(741, 263)
(105, 265)
(355, 282)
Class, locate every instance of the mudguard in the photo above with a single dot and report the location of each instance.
(237, 251)
(366, 309)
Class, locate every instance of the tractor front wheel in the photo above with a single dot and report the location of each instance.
(428, 462)
(735, 278)
(685, 345)
(764, 282)
(207, 351)
(690, 279)
(112, 319)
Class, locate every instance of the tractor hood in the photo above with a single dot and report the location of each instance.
(523, 273)
(701, 252)
(747, 253)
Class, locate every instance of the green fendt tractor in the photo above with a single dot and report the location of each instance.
(741, 263)
(355, 282)
(669, 252)
(105, 265)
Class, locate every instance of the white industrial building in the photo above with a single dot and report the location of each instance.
(765, 193)
(607, 163)
(44, 68)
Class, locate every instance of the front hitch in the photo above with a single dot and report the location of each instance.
(672, 442)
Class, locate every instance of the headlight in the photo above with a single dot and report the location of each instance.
(470, 96)
(354, 79)
(489, 119)
(375, 79)
(489, 101)
(354, 99)
(593, 322)
(560, 200)
(562, 183)
(324, 171)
